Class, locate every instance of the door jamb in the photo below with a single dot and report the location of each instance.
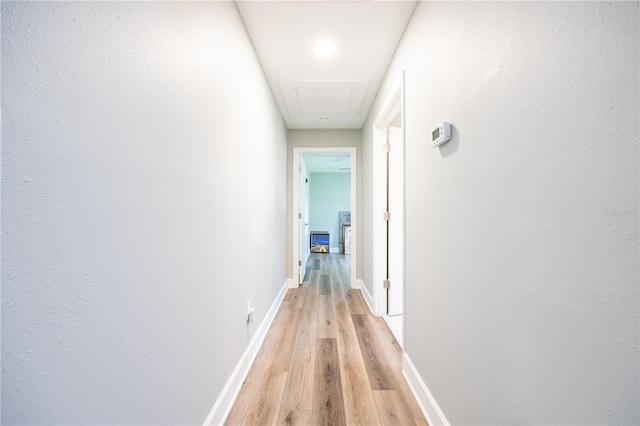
(394, 104)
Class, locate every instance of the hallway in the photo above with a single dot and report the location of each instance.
(326, 360)
(150, 215)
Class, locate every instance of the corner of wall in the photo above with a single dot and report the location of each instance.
(230, 392)
(367, 296)
(425, 399)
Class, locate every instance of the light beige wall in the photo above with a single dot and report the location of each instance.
(324, 138)
(522, 231)
(143, 192)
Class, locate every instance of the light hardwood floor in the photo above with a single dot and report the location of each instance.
(326, 360)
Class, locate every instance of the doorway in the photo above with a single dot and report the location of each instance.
(301, 226)
(389, 135)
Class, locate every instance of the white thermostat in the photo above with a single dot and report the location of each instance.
(440, 134)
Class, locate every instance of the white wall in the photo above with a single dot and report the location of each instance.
(323, 139)
(143, 166)
(522, 231)
(330, 193)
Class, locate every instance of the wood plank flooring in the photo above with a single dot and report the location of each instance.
(326, 360)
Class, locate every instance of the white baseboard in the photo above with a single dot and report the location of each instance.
(367, 296)
(229, 393)
(357, 283)
(334, 250)
(427, 402)
(291, 283)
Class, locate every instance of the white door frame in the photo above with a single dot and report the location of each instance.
(297, 151)
(394, 104)
(304, 222)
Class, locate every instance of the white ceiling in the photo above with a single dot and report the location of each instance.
(327, 163)
(341, 87)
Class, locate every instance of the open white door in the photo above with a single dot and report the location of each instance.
(389, 206)
(395, 262)
(303, 221)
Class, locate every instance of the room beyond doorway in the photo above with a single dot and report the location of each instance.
(330, 189)
(328, 200)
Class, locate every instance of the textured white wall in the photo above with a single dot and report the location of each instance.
(143, 170)
(322, 139)
(329, 193)
(522, 231)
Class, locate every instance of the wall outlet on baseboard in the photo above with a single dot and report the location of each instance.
(251, 313)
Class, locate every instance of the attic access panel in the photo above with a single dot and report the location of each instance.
(324, 96)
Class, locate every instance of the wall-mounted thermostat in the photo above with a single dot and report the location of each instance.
(440, 134)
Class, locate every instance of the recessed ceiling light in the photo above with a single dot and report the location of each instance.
(324, 120)
(325, 48)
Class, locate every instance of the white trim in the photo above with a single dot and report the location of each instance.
(291, 283)
(297, 151)
(390, 109)
(358, 284)
(334, 249)
(393, 105)
(227, 397)
(367, 296)
(426, 401)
